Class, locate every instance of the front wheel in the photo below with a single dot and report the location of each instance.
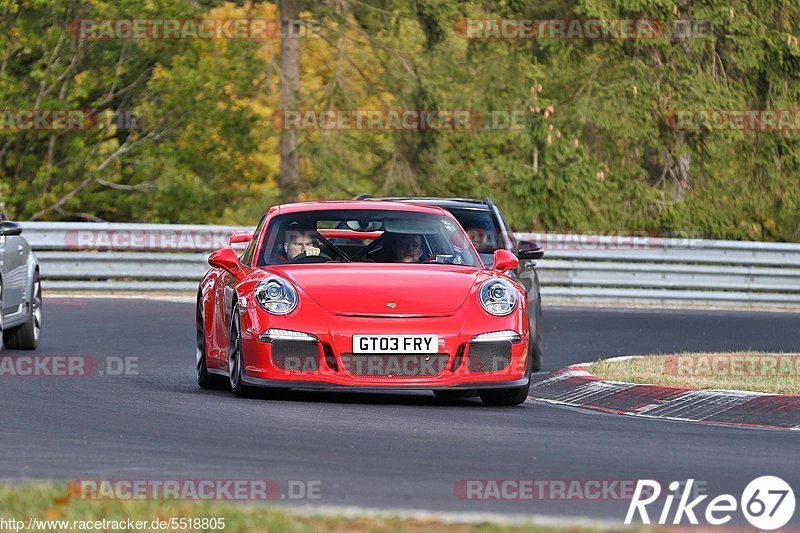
(505, 397)
(509, 395)
(1, 314)
(535, 353)
(205, 379)
(235, 361)
(536, 349)
(26, 336)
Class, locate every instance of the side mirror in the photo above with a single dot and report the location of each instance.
(529, 250)
(8, 228)
(240, 236)
(504, 261)
(226, 259)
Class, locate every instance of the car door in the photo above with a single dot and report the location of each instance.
(14, 271)
(3, 271)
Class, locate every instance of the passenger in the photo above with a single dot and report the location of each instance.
(478, 237)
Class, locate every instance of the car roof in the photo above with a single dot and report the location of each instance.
(445, 202)
(300, 207)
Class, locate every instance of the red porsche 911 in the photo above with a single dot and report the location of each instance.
(363, 295)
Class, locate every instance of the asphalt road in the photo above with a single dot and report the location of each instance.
(403, 450)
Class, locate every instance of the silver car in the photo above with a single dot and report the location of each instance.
(20, 290)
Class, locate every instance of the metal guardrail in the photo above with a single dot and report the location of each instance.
(577, 268)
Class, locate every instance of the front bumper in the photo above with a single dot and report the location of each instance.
(323, 385)
(328, 362)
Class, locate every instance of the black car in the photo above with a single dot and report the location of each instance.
(489, 231)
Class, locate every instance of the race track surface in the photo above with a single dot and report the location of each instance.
(388, 451)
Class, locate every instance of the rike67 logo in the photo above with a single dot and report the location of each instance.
(768, 503)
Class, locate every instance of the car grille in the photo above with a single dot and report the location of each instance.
(489, 356)
(395, 365)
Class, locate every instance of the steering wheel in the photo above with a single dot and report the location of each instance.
(302, 258)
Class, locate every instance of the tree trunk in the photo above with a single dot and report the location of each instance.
(289, 176)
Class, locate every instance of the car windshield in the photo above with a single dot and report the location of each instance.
(480, 228)
(371, 236)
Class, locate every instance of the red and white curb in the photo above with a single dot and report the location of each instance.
(576, 387)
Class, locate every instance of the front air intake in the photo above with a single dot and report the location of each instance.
(299, 356)
(489, 356)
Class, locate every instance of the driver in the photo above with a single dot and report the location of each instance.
(478, 237)
(407, 248)
(298, 242)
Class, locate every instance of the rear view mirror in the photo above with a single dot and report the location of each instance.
(364, 225)
(8, 228)
(504, 261)
(529, 250)
(226, 259)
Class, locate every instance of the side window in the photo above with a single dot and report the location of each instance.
(247, 257)
(274, 236)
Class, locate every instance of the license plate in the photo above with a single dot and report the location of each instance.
(395, 343)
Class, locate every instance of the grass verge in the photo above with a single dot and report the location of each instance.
(49, 502)
(747, 371)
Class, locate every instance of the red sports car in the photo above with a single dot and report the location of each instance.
(363, 295)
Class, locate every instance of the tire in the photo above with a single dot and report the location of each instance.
(508, 396)
(235, 362)
(205, 379)
(1, 313)
(505, 397)
(26, 336)
(536, 348)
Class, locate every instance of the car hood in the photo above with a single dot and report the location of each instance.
(370, 290)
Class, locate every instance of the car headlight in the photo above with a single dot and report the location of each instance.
(276, 296)
(498, 296)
